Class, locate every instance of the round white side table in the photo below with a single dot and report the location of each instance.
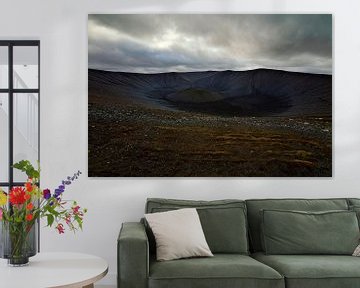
(50, 270)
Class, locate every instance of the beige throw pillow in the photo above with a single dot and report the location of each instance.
(357, 251)
(178, 234)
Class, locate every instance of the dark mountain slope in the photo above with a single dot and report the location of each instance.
(260, 92)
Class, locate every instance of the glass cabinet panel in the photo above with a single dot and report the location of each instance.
(26, 73)
(19, 107)
(4, 141)
(26, 130)
(4, 67)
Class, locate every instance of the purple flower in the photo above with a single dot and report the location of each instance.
(58, 192)
(64, 183)
(46, 194)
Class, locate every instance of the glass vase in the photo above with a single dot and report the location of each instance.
(18, 242)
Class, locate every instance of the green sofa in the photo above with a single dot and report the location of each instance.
(233, 230)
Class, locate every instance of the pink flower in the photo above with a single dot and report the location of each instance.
(76, 210)
(1, 212)
(68, 219)
(60, 228)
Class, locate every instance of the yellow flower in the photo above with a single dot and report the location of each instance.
(3, 198)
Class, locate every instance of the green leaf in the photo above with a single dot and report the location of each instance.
(53, 211)
(22, 164)
(26, 167)
(50, 219)
(79, 221)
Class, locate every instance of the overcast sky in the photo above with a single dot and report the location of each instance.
(181, 43)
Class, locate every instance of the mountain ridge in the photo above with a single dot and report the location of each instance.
(204, 71)
(257, 92)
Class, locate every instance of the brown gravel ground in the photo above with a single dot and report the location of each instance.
(128, 140)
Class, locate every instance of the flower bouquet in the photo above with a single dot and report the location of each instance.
(21, 208)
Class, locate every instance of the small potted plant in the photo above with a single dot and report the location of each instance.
(21, 208)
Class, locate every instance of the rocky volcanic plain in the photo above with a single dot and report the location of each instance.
(264, 123)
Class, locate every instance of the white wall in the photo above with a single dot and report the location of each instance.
(61, 25)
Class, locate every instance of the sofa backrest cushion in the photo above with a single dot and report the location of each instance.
(223, 221)
(354, 205)
(298, 232)
(256, 205)
(353, 202)
(356, 209)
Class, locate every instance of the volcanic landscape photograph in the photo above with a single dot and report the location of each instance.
(213, 95)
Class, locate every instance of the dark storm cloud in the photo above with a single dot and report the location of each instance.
(163, 43)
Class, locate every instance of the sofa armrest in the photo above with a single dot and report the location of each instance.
(133, 256)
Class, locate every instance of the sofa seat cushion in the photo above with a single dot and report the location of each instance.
(222, 270)
(313, 271)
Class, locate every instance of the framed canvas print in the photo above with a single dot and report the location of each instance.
(213, 95)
